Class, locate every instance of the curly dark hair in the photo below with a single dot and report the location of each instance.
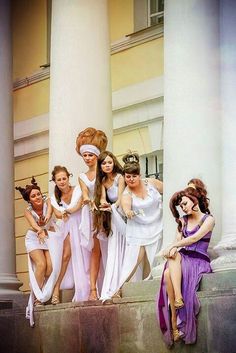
(195, 196)
(25, 192)
(57, 192)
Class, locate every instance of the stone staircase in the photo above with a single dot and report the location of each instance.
(126, 325)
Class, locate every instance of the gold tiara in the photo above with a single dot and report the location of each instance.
(192, 185)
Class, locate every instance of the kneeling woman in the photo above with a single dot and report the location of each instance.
(187, 260)
(142, 204)
(43, 245)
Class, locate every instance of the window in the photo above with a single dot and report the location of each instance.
(148, 13)
(155, 12)
(152, 165)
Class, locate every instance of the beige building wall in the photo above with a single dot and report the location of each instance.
(132, 68)
(24, 170)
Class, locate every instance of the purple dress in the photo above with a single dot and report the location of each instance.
(195, 262)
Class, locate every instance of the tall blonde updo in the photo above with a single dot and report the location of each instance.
(91, 136)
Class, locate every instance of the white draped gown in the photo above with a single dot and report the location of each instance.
(144, 229)
(77, 274)
(86, 228)
(54, 244)
(116, 246)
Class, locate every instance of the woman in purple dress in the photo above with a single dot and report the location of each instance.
(187, 260)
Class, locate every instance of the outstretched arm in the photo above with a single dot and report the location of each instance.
(126, 205)
(121, 187)
(157, 184)
(85, 192)
(49, 211)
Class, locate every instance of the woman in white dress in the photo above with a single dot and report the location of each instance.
(67, 203)
(89, 144)
(108, 189)
(44, 247)
(142, 204)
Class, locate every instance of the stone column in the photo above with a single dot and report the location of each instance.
(9, 283)
(226, 248)
(80, 93)
(191, 103)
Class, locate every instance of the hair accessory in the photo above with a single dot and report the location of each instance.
(191, 185)
(131, 157)
(89, 148)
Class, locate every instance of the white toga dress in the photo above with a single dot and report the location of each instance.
(54, 244)
(144, 229)
(80, 255)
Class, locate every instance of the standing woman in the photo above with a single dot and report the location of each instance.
(108, 190)
(142, 204)
(89, 144)
(187, 261)
(67, 203)
(44, 247)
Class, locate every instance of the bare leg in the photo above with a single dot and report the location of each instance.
(146, 266)
(176, 275)
(94, 269)
(139, 260)
(65, 260)
(48, 263)
(39, 260)
(171, 296)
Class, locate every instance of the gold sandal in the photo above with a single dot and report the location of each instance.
(176, 335)
(93, 296)
(37, 303)
(55, 300)
(179, 303)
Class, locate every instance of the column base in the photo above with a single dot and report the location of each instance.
(224, 263)
(9, 284)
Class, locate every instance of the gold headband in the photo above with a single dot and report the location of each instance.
(192, 185)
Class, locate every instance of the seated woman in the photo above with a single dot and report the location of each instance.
(44, 247)
(187, 260)
(67, 203)
(142, 204)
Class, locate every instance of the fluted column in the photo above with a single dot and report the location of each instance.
(191, 103)
(80, 93)
(226, 248)
(9, 284)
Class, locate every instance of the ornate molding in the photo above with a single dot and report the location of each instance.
(137, 38)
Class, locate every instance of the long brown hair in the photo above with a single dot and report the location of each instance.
(195, 196)
(57, 192)
(201, 188)
(102, 219)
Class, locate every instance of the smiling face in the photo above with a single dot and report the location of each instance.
(132, 180)
(35, 198)
(89, 158)
(107, 165)
(62, 180)
(187, 205)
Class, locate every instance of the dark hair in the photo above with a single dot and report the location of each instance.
(131, 165)
(93, 137)
(25, 192)
(201, 188)
(57, 169)
(101, 219)
(195, 196)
